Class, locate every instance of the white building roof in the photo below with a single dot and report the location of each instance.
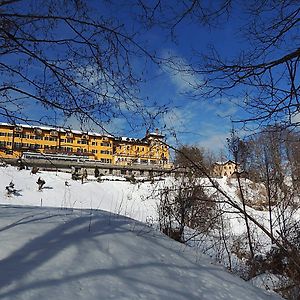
(60, 129)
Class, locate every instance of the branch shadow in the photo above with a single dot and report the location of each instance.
(163, 279)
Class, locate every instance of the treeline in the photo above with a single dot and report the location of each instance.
(194, 205)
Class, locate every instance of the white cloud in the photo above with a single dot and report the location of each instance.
(295, 118)
(215, 141)
(179, 72)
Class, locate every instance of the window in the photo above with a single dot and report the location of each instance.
(105, 144)
(2, 133)
(53, 133)
(18, 129)
(17, 135)
(105, 160)
(69, 141)
(94, 151)
(94, 143)
(46, 138)
(53, 139)
(83, 142)
(2, 144)
(105, 152)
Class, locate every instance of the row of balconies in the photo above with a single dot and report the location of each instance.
(84, 136)
(54, 133)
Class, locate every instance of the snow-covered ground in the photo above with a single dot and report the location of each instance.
(119, 197)
(88, 253)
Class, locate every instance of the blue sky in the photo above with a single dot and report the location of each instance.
(195, 121)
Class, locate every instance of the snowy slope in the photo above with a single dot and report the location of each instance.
(72, 254)
(119, 197)
(137, 201)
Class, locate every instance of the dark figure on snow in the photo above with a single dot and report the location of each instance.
(34, 170)
(10, 188)
(21, 165)
(84, 175)
(41, 182)
(97, 173)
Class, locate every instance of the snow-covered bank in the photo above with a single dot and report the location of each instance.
(70, 254)
(119, 197)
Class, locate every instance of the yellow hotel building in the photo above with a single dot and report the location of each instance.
(15, 140)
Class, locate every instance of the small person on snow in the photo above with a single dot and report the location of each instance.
(10, 188)
(11, 184)
(41, 182)
(67, 184)
(34, 170)
(73, 170)
(97, 173)
(84, 175)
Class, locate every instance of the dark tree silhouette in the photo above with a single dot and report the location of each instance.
(70, 59)
(262, 71)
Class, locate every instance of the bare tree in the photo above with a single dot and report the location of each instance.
(262, 72)
(186, 204)
(70, 60)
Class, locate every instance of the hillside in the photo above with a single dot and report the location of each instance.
(59, 254)
(67, 253)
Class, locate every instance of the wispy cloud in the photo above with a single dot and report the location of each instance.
(295, 119)
(202, 123)
(179, 72)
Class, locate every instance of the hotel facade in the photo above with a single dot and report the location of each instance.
(18, 140)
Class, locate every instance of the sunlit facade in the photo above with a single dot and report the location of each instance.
(17, 139)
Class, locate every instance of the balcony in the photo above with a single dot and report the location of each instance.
(38, 131)
(69, 135)
(18, 129)
(54, 133)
